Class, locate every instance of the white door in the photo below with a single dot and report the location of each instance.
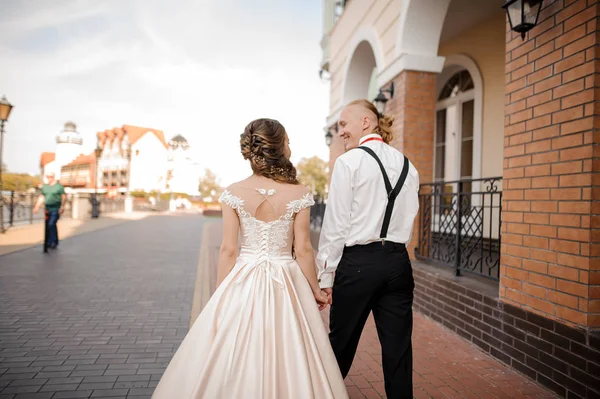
(454, 133)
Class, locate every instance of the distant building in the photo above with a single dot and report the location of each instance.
(154, 164)
(68, 147)
(80, 173)
(148, 168)
(183, 173)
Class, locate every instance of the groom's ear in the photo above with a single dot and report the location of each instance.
(366, 122)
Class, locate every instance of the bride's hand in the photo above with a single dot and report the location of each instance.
(322, 299)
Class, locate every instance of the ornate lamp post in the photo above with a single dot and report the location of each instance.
(128, 198)
(5, 109)
(523, 15)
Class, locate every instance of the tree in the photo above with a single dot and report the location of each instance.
(19, 181)
(313, 173)
(209, 185)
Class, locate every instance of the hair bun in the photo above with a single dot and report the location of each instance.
(263, 144)
(385, 128)
(386, 120)
(246, 145)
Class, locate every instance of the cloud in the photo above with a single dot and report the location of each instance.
(202, 69)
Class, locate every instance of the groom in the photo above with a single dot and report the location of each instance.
(373, 201)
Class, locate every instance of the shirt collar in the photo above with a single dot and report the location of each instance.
(368, 136)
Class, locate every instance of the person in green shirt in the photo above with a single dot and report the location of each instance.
(53, 197)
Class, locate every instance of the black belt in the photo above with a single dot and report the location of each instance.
(376, 246)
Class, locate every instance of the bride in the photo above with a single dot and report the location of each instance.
(261, 335)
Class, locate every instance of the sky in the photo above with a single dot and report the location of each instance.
(200, 68)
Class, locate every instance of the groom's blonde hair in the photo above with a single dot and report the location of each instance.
(383, 123)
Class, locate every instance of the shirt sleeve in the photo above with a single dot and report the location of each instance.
(336, 223)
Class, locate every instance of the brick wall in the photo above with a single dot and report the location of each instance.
(594, 275)
(549, 248)
(562, 358)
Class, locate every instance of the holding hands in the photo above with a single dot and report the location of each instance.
(323, 297)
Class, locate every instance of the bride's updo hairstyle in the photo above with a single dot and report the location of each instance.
(263, 144)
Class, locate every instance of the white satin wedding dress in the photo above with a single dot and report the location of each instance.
(261, 335)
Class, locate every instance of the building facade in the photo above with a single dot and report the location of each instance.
(80, 173)
(134, 157)
(503, 131)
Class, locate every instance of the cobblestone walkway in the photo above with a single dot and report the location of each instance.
(444, 366)
(102, 315)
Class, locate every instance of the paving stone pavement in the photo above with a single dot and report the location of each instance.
(101, 316)
(445, 366)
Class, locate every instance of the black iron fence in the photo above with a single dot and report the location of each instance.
(17, 208)
(317, 211)
(467, 237)
(460, 225)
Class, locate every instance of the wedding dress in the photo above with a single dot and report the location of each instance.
(261, 335)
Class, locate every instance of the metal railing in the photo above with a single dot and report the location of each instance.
(476, 248)
(17, 208)
(460, 225)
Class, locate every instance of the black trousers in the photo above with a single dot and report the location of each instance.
(376, 278)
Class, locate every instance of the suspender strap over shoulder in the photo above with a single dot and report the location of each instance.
(391, 192)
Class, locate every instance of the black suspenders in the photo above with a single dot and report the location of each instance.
(392, 192)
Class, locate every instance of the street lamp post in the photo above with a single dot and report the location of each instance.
(95, 205)
(128, 198)
(169, 186)
(5, 108)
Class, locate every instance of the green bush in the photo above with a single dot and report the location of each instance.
(139, 194)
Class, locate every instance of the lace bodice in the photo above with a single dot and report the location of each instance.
(273, 237)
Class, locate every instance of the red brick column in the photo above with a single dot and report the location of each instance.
(413, 107)
(550, 250)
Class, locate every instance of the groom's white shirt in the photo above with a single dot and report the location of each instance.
(357, 201)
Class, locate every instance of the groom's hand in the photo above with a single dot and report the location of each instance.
(322, 299)
(329, 293)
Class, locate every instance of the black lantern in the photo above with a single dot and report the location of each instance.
(523, 14)
(5, 108)
(328, 137)
(339, 7)
(382, 99)
(380, 102)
